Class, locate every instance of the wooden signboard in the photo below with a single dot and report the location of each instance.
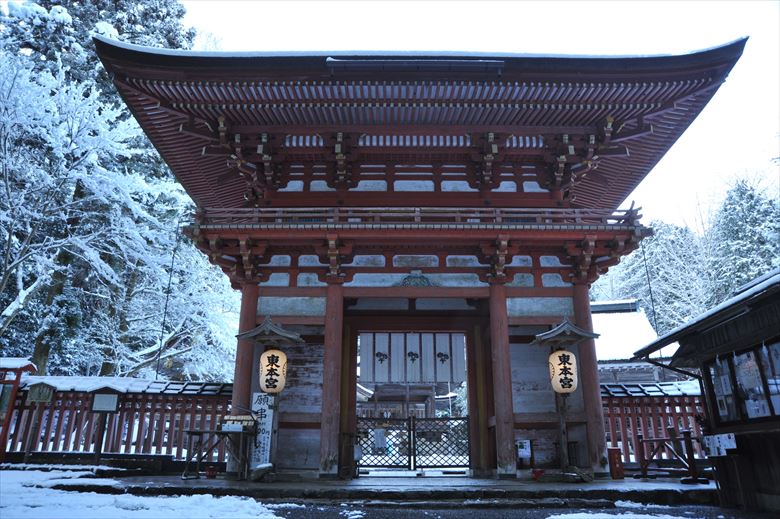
(105, 402)
(40, 393)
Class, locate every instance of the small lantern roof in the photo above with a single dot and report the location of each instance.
(270, 332)
(107, 388)
(17, 364)
(563, 335)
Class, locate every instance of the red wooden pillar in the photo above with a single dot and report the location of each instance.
(589, 381)
(242, 379)
(331, 381)
(502, 382)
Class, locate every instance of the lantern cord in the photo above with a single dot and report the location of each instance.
(649, 287)
(167, 298)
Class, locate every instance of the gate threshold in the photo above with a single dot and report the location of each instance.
(436, 473)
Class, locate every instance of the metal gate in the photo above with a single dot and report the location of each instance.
(413, 443)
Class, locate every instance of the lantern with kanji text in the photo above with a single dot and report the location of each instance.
(273, 371)
(563, 371)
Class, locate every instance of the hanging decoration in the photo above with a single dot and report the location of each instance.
(273, 371)
(563, 371)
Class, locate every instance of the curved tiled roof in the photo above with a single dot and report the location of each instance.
(387, 94)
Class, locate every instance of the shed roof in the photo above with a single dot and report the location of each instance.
(682, 388)
(758, 290)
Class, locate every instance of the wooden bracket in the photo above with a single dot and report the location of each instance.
(334, 254)
(487, 156)
(497, 255)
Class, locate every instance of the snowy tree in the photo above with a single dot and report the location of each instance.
(55, 137)
(90, 214)
(745, 236)
(673, 259)
(689, 272)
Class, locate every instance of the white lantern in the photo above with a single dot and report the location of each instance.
(273, 371)
(563, 371)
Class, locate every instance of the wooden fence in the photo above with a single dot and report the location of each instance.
(144, 424)
(149, 423)
(627, 419)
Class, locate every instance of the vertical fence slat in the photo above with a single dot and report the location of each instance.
(213, 424)
(182, 407)
(140, 426)
(70, 410)
(49, 415)
(62, 417)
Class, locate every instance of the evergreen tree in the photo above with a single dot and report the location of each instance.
(689, 273)
(91, 218)
(745, 237)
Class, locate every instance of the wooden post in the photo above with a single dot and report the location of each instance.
(242, 379)
(100, 435)
(560, 400)
(9, 412)
(33, 433)
(506, 464)
(589, 378)
(690, 457)
(640, 454)
(331, 381)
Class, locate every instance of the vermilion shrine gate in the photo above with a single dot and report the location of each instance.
(426, 204)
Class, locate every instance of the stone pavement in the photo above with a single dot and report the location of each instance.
(459, 491)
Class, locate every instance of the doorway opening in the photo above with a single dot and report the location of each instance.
(412, 403)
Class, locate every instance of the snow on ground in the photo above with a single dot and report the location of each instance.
(604, 515)
(57, 466)
(634, 504)
(20, 498)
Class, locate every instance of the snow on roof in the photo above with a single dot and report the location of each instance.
(679, 388)
(767, 281)
(377, 54)
(88, 384)
(130, 385)
(621, 332)
(16, 363)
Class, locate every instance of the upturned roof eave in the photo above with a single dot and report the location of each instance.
(317, 64)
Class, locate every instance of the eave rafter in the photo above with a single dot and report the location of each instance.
(259, 158)
(570, 158)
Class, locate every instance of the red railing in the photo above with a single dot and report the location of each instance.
(634, 421)
(261, 217)
(156, 423)
(144, 424)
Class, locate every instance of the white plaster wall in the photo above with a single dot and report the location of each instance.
(309, 260)
(522, 280)
(554, 280)
(506, 186)
(311, 306)
(520, 261)
(539, 306)
(371, 185)
(310, 279)
(277, 279)
(530, 186)
(531, 389)
(293, 185)
(460, 186)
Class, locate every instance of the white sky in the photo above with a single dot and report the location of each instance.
(737, 135)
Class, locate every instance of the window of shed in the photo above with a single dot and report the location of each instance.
(750, 387)
(770, 362)
(720, 374)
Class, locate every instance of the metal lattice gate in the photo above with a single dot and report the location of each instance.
(413, 443)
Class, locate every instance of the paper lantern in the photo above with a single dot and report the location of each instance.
(273, 371)
(563, 371)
